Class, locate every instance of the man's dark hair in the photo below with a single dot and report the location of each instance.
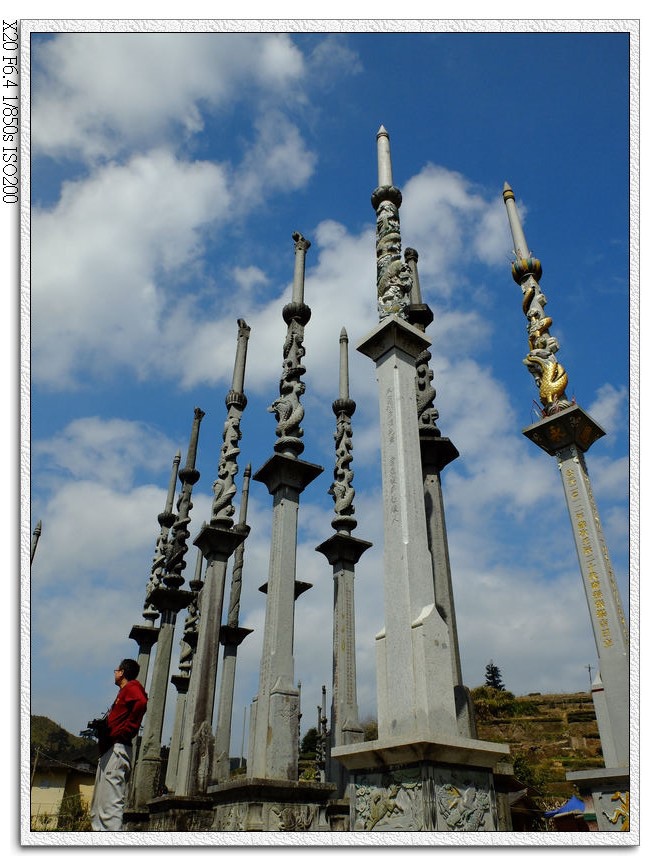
(130, 668)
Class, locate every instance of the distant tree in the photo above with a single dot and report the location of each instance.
(493, 677)
(309, 742)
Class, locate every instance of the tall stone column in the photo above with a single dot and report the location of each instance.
(414, 688)
(343, 551)
(415, 776)
(217, 541)
(231, 637)
(181, 680)
(567, 432)
(436, 452)
(274, 733)
(169, 598)
(415, 692)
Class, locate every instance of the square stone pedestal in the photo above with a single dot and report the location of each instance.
(246, 805)
(422, 786)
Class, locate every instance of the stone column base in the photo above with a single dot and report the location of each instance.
(422, 786)
(423, 798)
(247, 805)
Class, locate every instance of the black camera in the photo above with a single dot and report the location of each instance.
(99, 726)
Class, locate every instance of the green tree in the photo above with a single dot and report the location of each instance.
(309, 743)
(493, 677)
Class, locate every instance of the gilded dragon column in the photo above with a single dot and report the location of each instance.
(567, 432)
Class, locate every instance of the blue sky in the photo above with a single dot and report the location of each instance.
(168, 172)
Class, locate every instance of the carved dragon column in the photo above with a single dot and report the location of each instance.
(566, 432)
(168, 596)
(343, 551)
(274, 728)
(217, 541)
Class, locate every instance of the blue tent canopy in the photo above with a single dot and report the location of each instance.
(574, 804)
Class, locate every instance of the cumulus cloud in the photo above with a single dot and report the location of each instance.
(106, 450)
(445, 216)
(97, 95)
(610, 409)
(101, 258)
(278, 160)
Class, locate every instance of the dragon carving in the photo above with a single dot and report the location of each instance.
(287, 407)
(550, 376)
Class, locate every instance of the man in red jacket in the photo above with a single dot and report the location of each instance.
(114, 768)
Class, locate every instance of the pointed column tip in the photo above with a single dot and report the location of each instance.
(343, 334)
(382, 131)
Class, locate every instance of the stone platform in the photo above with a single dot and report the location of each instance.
(247, 805)
(423, 786)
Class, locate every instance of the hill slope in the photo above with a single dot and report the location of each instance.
(549, 735)
(53, 741)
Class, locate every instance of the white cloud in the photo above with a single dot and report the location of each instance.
(610, 477)
(277, 160)
(100, 259)
(609, 409)
(108, 451)
(96, 95)
(449, 222)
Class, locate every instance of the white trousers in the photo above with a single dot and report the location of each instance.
(109, 796)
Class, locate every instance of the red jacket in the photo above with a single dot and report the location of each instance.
(126, 713)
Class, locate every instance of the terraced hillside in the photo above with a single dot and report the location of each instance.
(549, 735)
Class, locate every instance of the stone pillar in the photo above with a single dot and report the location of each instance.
(169, 598)
(604, 603)
(567, 432)
(217, 541)
(146, 635)
(567, 435)
(420, 774)
(181, 680)
(231, 636)
(437, 452)
(343, 551)
(195, 763)
(274, 730)
(274, 746)
(415, 686)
